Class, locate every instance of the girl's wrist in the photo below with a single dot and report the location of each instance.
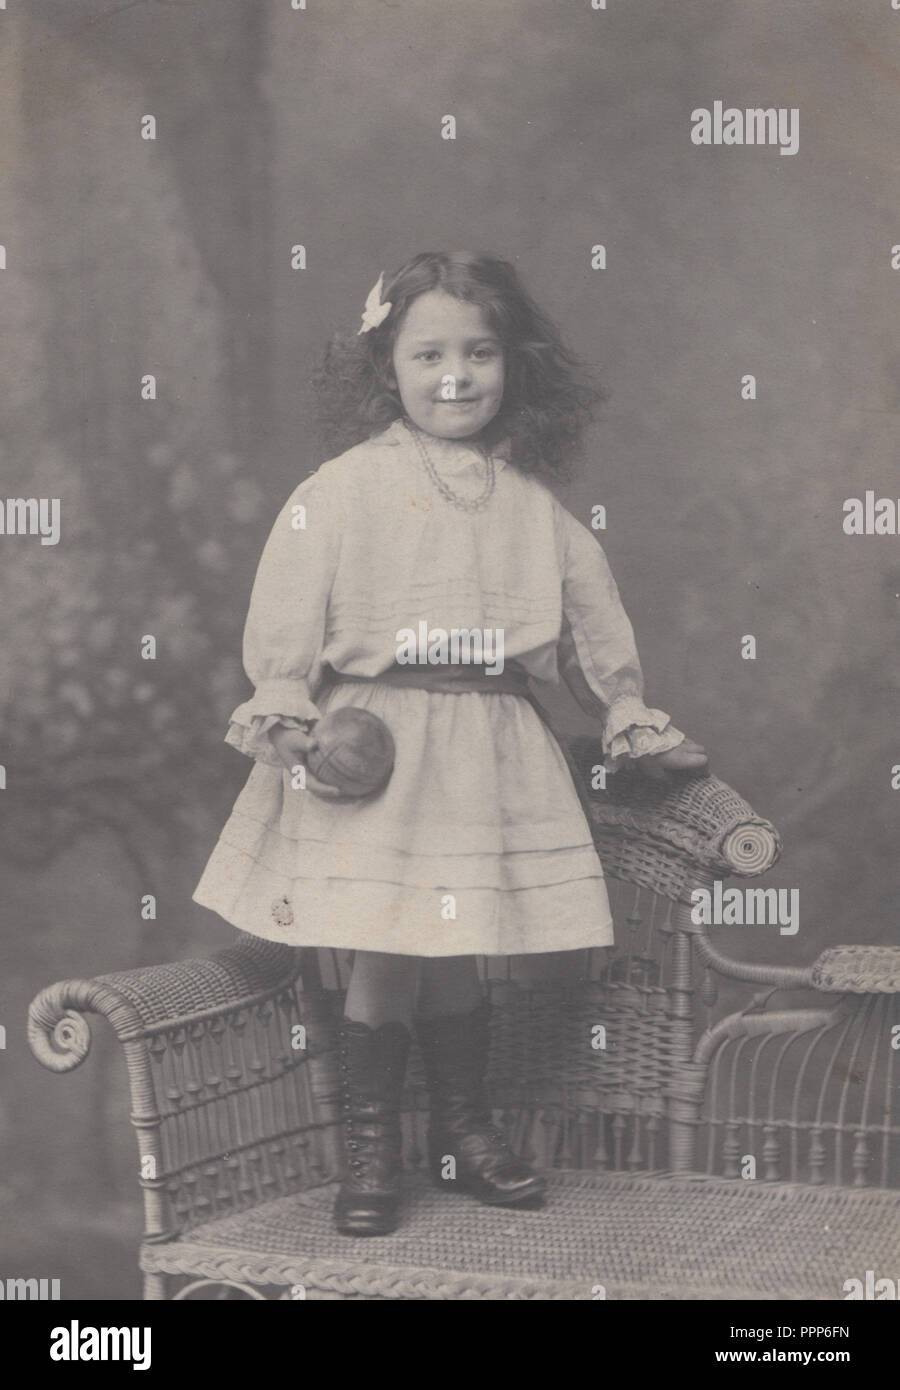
(290, 721)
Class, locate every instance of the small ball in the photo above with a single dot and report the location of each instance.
(355, 751)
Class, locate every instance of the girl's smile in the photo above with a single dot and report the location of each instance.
(449, 366)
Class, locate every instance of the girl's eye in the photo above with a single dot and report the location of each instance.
(482, 354)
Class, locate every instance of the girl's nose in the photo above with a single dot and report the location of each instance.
(462, 374)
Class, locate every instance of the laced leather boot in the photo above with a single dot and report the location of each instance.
(455, 1052)
(372, 1068)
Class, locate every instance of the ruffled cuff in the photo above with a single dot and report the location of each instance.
(632, 731)
(248, 730)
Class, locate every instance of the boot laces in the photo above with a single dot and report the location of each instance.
(363, 1147)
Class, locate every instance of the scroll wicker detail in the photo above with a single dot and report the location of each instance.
(750, 848)
(695, 822)
(61, 1040)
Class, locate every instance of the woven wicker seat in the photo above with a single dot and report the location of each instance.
(657, 1236)
(692, 1153)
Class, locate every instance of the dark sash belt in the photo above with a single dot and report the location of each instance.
(454, 680)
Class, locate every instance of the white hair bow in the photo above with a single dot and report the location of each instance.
(375, 312)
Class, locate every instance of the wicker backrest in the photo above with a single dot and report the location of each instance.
(583, 1066)
(583, 1054)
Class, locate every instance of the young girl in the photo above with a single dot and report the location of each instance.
(459, 400)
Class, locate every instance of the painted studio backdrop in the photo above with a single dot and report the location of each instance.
(323, 128)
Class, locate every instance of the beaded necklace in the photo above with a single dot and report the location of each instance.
(466, 504)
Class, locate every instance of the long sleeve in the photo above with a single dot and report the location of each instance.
(597, 656)
(285, 628)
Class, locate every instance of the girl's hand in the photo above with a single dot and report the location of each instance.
(292, 746)
(688, 759)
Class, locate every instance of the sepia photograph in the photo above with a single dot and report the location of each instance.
(449, 681)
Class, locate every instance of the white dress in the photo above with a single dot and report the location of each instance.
(478, 845)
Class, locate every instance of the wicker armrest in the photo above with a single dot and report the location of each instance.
(137, 1001)
(857, 970)
(697, 819)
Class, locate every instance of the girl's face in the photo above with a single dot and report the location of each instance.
(448, 364)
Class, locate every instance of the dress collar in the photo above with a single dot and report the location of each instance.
(449, 455)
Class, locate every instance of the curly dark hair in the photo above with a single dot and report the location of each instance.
(548, 395)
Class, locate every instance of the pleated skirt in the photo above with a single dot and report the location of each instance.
(478, 845)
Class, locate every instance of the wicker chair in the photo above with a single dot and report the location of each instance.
(690, 1156)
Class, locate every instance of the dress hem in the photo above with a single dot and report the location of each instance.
(517, 940)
